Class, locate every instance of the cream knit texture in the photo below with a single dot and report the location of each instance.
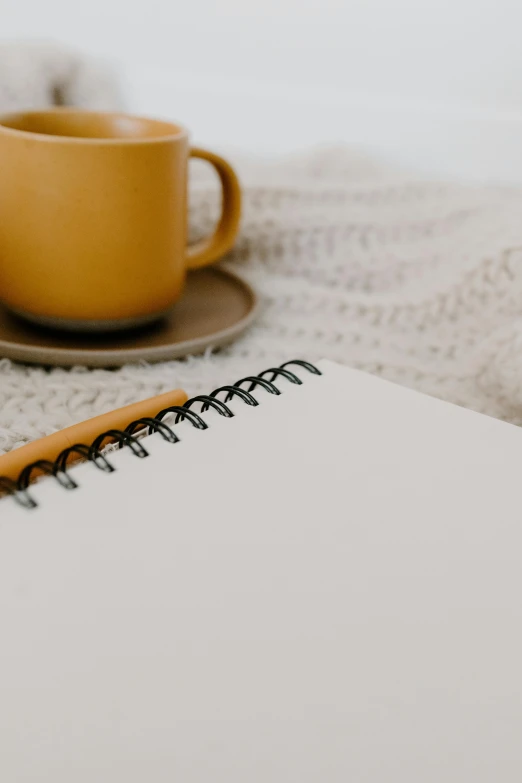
(417, 281)
(34, 75)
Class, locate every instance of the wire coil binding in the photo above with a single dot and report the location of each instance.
(126, 438)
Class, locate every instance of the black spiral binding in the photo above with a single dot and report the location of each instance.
(58, 469)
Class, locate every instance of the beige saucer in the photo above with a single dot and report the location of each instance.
(215, 308)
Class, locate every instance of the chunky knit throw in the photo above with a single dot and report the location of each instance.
(34, 75)
(417, 281)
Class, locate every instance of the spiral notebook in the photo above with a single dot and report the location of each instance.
(323, 586)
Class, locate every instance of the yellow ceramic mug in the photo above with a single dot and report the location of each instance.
(93, 216)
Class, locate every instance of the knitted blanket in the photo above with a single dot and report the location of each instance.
(417, 281)
(33, 75)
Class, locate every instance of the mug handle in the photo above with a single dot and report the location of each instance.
(208, 250)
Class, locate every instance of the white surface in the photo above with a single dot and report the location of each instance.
(459, 142)
(435, 84)
(325, 587)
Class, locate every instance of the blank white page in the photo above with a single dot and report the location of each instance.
(327, 587)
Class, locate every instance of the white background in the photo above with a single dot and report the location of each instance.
(434, 83)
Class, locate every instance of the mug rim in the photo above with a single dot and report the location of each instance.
(178, 131)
